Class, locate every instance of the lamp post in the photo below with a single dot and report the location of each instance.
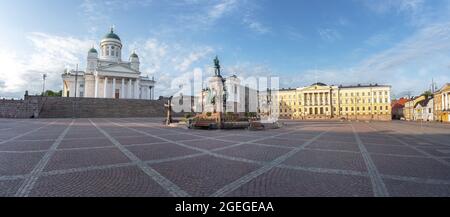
(76, 81)
(44, 76)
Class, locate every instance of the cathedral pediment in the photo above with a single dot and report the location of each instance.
(119, 68)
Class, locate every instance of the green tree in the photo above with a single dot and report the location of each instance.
(52, 93)
(427, 94)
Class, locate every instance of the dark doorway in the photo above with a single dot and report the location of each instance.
(117, 94)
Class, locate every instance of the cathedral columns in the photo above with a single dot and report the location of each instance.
(153, 93)
(122, 89)
(129, 95)
(105, 88)
(136, 89)
(96, 87)
(114, 88)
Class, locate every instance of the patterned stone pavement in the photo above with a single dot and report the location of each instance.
(140, 157)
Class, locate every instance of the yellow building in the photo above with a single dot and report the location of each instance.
(442, 104)
(409, 109)
(321, 101)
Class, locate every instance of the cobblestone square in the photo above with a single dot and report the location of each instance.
(141, 157)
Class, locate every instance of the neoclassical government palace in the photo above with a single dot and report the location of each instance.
(321, 101)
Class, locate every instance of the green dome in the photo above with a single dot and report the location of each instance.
(92, 50)
(112, 35)
(134, 55)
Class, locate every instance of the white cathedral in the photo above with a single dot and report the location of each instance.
(107, 76)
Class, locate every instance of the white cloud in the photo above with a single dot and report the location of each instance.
(328, 34)
(50, 54)
(383, 6)
(415, 11)
(11, 73)
(255, 25)
(192, 58)
(172, 63)
(293, 33)
(408, 65)
(221, 8)
(98, 14)
(378, 39)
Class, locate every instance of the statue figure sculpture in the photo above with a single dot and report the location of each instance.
(169, 111)
(217, 66)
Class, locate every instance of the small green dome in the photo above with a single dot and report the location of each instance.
(134, 55)
(112, 35)
(92, 50)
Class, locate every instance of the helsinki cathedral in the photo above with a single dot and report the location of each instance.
(108, 76)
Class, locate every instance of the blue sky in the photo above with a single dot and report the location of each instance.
(404, 43)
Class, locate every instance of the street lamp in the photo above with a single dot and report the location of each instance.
(44, 76)
(76, 81)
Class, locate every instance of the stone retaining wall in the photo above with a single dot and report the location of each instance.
(64, 107)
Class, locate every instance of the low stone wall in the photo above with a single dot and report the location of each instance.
(19, 108)
(64, 107)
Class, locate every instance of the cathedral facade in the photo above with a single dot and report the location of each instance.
(108, 76)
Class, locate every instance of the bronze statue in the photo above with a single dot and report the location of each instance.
(169, 111)
(217, 66)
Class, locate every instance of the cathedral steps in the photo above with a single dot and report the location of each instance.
(100, 108)
(64, 107)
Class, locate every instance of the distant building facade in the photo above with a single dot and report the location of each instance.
(108, 76)
(321, 101)
(227, 95)
(423, 110)
(409, 109)
(442, 104)
(397, 108)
